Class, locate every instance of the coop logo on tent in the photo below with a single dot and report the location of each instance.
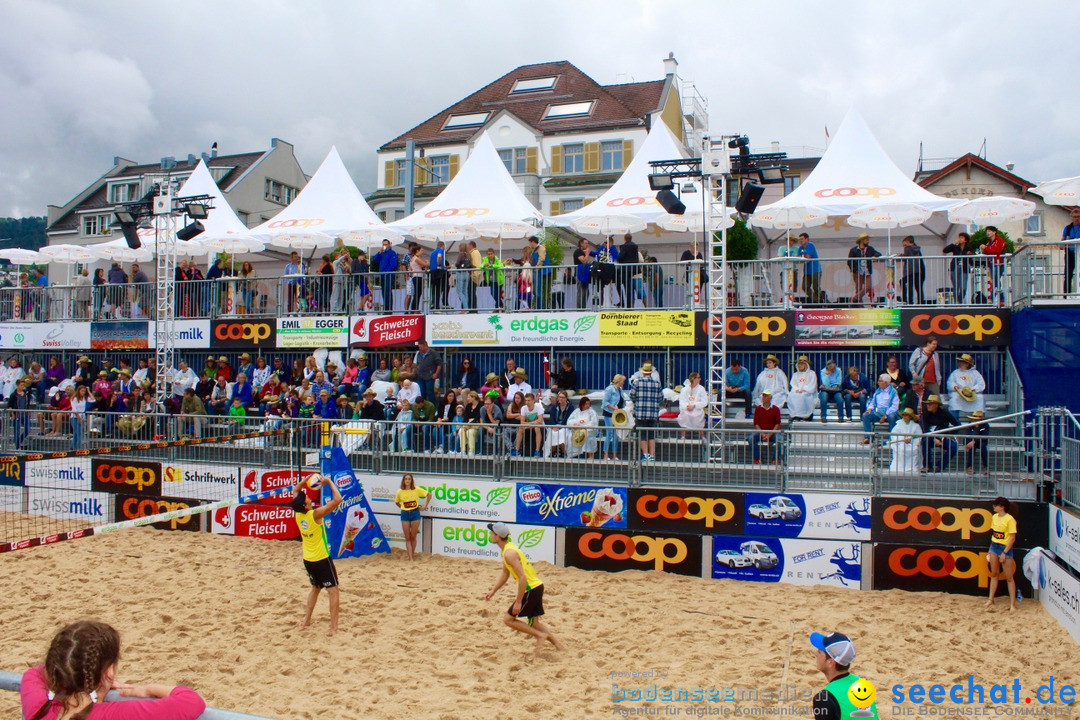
(631, 201)
(874, 192)
(457, 212)
(297, 223)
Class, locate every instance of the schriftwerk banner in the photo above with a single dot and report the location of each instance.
(351, 530)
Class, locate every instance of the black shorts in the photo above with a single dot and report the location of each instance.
(321, 573)
(532, 605)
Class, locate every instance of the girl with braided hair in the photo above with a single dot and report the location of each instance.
(80, 668)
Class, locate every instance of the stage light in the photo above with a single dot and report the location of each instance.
(670, 202)
(190, 231)
(126, 221)
(661, 182)
(196, 211)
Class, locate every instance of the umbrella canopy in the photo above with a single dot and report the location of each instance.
(630, 205)
(889, 215)
(991, 210)
(329, 207)
(118, 251)
(232, 244)
(1065, 191)
(68, 254)
(694, 223)
(789, 217)
(481, 201)
(21, 256)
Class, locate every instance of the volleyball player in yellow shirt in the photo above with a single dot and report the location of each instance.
(317, 562)
(529, 601)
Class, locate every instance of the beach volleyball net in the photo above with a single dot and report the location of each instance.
(171, 485)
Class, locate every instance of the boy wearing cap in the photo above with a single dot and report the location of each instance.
(529, 600)
(835, 653)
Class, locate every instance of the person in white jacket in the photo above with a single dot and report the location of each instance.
(772, 378)
(803, 398)
(905, 443)
(693, 401)
(966, 387)
(584, 418)
(9, 375)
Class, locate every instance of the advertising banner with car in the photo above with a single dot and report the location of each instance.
(457, 538)
(452, 497)
(974, 328)
(318, 331)
(847, 328)
(827, 516)
(788, 560)
(615, 550)
(1064, 537)
(571, 505)
(952, 521)
(941, 568)
(688, 511)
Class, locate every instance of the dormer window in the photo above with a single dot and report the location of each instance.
(568, 110)
(465, 120)
(533, 85)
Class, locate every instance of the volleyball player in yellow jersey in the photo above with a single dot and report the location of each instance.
(317, 562)
(529, 602)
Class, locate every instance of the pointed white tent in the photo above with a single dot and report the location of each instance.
(630, 205)
(329, 206)
(221, 223)
(481, 201)
(853, 173)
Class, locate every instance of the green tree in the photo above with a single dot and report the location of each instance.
(742, 242)
(28, 232)
(978, 239)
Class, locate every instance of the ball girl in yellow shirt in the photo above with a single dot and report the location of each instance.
(1000, 556)
(408, 499)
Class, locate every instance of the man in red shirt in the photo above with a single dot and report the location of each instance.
(995, 248)
(766, 422)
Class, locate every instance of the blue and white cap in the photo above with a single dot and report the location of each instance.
(836, 645)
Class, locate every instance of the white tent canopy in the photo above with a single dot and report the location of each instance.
(630, 205)
(329, 206)
(855, 172)
(220, 222)
(481, 201)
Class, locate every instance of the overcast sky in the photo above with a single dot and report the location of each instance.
(82, 82)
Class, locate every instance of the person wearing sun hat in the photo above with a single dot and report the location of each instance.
(936, 419)
(905, 442)
(966, 387)
(803, 397)
(977, 442)
(774, 379)
(518, 385)
(847, 695)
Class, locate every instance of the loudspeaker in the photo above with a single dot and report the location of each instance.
(190, 231)
(670, 202)
(130, 235)
(749, 199)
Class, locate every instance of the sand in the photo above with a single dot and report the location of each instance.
(220, 614)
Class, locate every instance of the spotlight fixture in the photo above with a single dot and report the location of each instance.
(190, 231)
(661, 181)
(670, 202)
(196, 211)
(126, 221)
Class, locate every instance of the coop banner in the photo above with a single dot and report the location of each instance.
(788, 560)
(944, 568)
(955, 328)
(457, 538)
(689, 511)
(826, 516)
(571, 505)
(953, 521)
(451, 497)
(615, 550)
(351, 529)
(752, 330)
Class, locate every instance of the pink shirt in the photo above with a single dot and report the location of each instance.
(183, 704)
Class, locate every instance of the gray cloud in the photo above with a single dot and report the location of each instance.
(83, 82)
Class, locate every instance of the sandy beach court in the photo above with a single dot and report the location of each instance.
(221, 614)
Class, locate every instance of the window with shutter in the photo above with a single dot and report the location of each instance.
(388, 173)
(556, 208)
(627, 152)
(531, 161)
(592, 157)
(556, 160)
(455, 160)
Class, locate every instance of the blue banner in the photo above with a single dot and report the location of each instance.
(571, 505)
(788, 560)
(828, 516)
(351, 530)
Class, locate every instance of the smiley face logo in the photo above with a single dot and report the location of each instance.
(862, 694)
